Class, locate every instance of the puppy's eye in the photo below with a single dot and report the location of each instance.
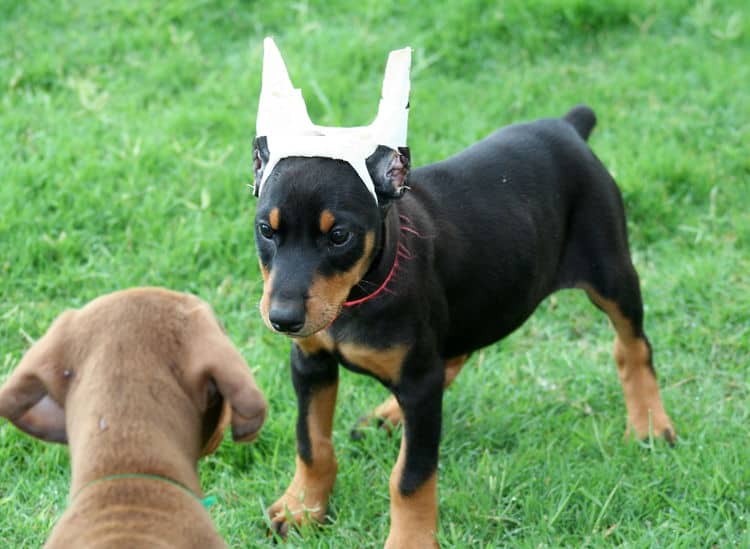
(339, 237)
(265, 230)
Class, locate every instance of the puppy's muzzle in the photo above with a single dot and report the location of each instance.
(287, 316)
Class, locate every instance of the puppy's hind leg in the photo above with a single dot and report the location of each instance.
(388, 414)
(597, 259)
(621, 302)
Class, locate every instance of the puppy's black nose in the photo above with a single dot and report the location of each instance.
(286, 317)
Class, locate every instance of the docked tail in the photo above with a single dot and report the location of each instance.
(582, 118)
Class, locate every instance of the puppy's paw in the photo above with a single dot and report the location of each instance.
(411, 539)
(293, 512)
(658, 426)
(388, 416)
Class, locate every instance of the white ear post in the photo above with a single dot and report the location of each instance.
(283, 119)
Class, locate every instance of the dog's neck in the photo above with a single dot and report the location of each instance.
(132, 453)
(152, 429)
(384, 256)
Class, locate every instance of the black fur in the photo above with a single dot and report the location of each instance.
(481, 239)
(309, 374)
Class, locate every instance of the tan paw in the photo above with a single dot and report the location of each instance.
(411, 540)
(292, 511)
(646, 414)
(646, 424)
(386, 416)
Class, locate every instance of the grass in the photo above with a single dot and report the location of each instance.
(125, 133)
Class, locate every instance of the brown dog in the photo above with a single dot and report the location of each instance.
(140, 383)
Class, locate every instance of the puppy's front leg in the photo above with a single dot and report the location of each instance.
(413, 484)
(315, 378)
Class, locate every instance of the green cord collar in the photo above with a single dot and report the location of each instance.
(207, 501)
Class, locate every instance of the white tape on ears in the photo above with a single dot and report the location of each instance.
(284, 121)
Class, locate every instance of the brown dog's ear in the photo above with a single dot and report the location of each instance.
(217, 417)
(31, 398)
(215, 359)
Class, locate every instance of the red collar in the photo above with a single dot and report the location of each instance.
(381, 288)
(404, 224)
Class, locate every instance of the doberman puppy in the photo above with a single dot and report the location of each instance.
(405, 289)
(140, 383)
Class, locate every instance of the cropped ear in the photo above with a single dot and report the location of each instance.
(32, 398)
(389, 170)
(260, 159)
(214, 359)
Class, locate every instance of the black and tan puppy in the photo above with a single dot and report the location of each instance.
(404, 290)
(140, 383)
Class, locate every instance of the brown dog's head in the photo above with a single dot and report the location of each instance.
(138, 351)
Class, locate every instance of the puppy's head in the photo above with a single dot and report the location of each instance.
(317, 229)
(144, 348)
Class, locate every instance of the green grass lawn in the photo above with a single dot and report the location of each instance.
(125, 159)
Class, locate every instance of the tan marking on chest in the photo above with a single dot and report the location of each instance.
(384, 364)
(320, 341)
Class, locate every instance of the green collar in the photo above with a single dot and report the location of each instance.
(207, 502)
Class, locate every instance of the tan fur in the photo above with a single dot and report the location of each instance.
(327, 294)
(646, 412)
(321, 341)
(453, 367)
(307, 495)
(413, 517)
(135, 372)
(389, 411)
(265, 300)
(385, 364)
(326, 221)
(274, 219)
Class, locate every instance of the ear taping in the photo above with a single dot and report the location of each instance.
(260, 160)
(390, 172)
(284, 123)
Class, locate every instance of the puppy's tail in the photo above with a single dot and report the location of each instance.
(582, 118)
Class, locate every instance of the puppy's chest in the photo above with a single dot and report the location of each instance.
(384, 363)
